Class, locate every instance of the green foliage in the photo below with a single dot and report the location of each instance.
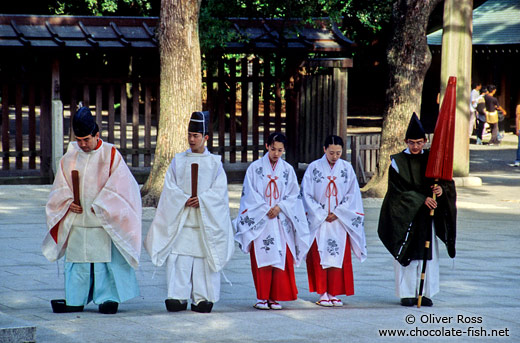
(364, 20)
(83, 7)
(214, 33)
(360, 20)
(105, 7)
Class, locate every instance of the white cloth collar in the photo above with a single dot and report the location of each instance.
(407, 151)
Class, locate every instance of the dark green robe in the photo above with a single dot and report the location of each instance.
(405, 222)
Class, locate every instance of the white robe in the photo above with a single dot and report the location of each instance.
(263, 189)
(213, 214)
(113, 195)
(334, 190)
(407, 279)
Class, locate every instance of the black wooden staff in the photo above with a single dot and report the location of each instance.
(75, 186)
(194, 179)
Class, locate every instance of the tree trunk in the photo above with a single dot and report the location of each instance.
(456, 56)
(408, 60)
(180, 87)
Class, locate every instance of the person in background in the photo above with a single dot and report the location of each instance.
(517, 131)
(475, 88)
(481, 115)
(492, 106)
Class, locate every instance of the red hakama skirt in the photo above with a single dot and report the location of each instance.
(335, 281)
(272, 283)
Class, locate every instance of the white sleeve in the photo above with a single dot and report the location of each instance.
(394, 165)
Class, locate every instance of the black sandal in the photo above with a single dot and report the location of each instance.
(60, 306)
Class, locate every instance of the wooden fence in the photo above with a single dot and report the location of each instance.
(125, 110)
(317, 117)
(245, 96)
(20, 121)
(246, 99)
(364, 155)
(251, 97)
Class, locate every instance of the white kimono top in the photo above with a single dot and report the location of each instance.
(173, 226)
(334, 190)
(265, 187)
(109, 190)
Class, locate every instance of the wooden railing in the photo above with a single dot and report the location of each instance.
(245, 99)
(249, 98)
(364, 155)
(125, 110)
(20, 123)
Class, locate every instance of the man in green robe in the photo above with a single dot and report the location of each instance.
(405, 222)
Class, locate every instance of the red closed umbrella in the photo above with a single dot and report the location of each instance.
(440, 161)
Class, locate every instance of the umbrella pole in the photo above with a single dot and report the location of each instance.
(425, 260)
(426, 249)
(434, 198)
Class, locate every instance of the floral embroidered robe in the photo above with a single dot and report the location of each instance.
(264, 187)
(335, 190)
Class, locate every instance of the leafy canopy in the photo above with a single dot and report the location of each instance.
(360, 20)
(83, 7)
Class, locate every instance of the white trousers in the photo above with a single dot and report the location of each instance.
(407, 279)
(189, 277)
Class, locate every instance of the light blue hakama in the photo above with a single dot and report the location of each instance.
(100, 282)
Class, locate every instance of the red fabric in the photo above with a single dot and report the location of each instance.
(440, 161)
(112, 155)
(273, 283)
(54, 232)
(332, 190)
(271, 191)
(335, 281)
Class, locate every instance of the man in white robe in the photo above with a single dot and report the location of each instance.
(193, 234)
(334, 207)
(101, 236)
